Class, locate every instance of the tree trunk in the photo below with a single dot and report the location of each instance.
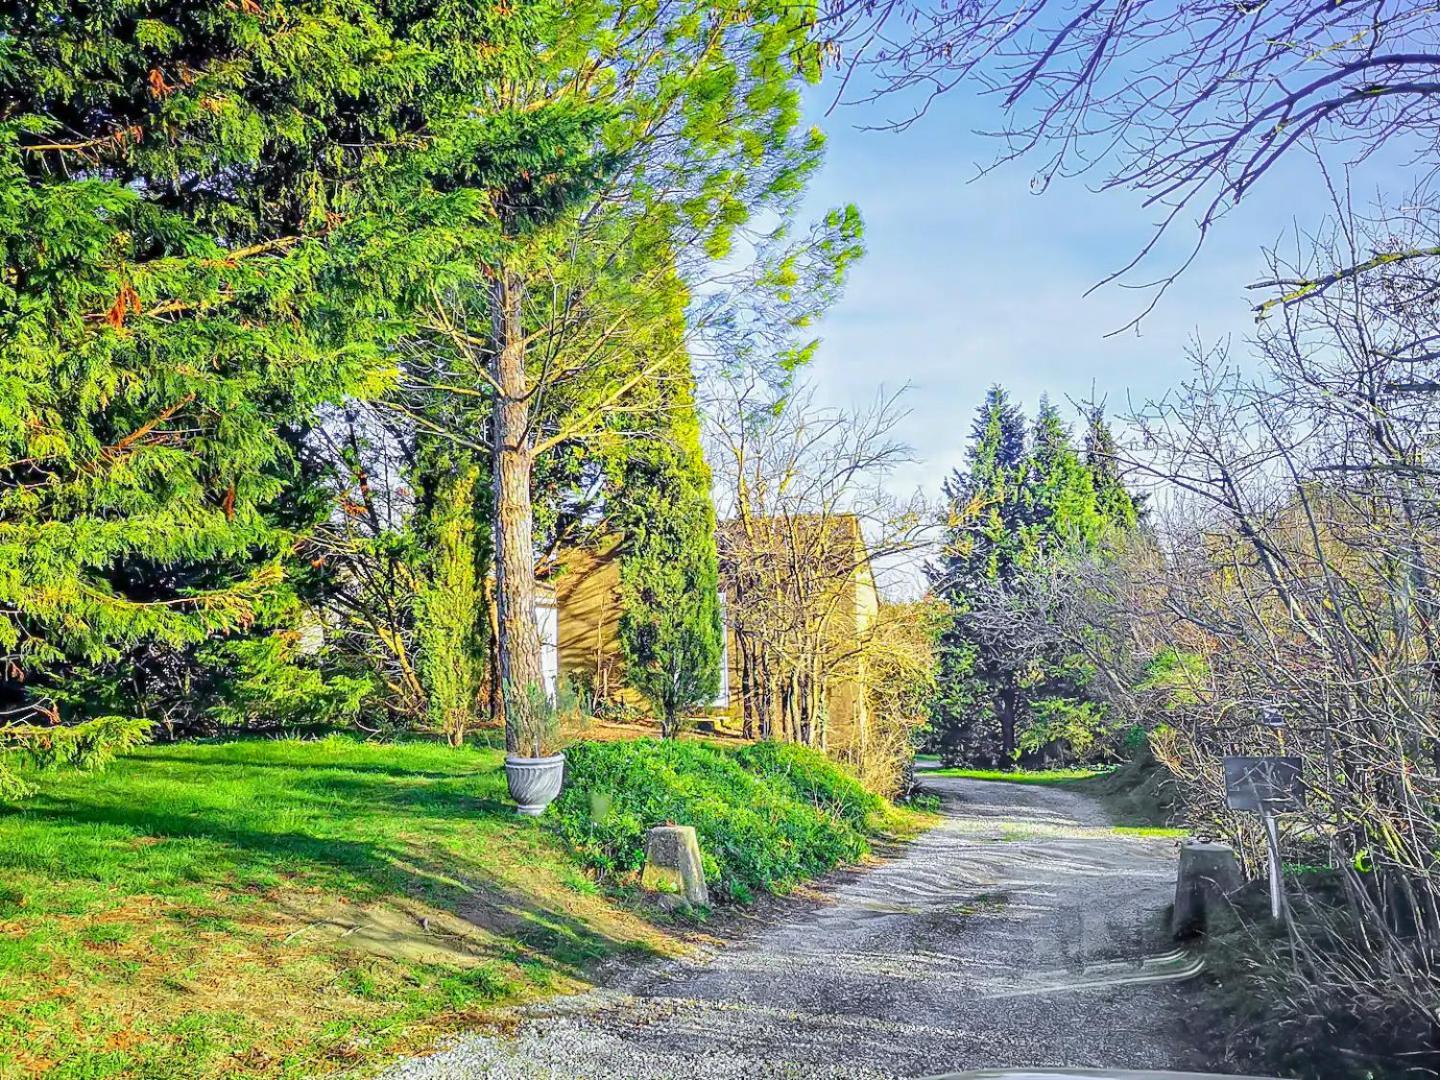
(765, 681)
(1006, 709)
(492, 653)
(748, 706)
(819, 706)
(518, 641)
(799, 718)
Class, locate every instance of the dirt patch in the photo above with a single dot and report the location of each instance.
(405, 931)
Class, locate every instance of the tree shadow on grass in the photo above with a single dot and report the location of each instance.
(448, 798)
(460, 772)
(512, 925)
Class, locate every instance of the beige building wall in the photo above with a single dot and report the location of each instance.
(587, 599)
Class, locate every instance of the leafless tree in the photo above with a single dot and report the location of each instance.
(1293, 575)
(806, 525)
(1191, 103)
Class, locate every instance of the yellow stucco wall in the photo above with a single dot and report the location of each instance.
(587, 594)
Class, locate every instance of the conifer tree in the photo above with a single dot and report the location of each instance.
(610, 154)
(982, 548)
(450, 601)
(1058, 491)
(670, 628)
(1019, 502)
(1119, 508)
(170, 175)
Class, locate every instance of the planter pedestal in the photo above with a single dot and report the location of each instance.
(534, 782)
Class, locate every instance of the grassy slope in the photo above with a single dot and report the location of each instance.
(278, 907)
(205, 910)
(767, 815)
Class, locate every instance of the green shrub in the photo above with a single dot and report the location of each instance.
(766, 816)
(814, 779)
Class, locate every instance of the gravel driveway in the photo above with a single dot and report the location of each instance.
(1010, 935)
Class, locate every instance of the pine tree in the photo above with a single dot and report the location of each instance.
(1058, 491)
(1102, 457)
(1019, 502)
(983, 498)
(583, 159)
(982, 549)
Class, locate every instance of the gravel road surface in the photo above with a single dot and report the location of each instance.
(1010, 935)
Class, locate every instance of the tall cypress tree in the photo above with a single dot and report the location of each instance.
(450, 617)
(670, 628)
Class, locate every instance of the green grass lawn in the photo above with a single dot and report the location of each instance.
(279, 907)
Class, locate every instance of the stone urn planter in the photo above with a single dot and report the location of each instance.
(534, 781)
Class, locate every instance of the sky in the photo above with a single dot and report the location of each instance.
(967, 281)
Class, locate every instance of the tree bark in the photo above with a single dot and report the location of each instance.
(492, 650)
(748, 706)
(764, 680)
(1006, 709)
(518, 641)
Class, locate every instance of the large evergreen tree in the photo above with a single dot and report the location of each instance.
(585, 164)
(171, 175)
(670, 627)
(1060, 506)
(1019, 501)
(1116, 503)
(982, 549)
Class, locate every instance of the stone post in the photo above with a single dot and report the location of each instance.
(672, 864)
(1208, 873)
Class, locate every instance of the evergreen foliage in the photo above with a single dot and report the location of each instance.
(584, 165)
(671, 637)
(222, 220)
(766, 816)
(1115, 503)
(1021, 498)
(982, 548)
(170, 177)
(450, 602)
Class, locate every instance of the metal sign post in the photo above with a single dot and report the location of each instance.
(1272, 836)
(1267, 786)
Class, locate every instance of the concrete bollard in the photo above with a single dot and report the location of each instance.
(1208, 873)
(672, 864)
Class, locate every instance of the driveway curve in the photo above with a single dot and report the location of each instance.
(1012, 934)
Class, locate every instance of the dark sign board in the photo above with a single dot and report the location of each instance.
(1268, 783)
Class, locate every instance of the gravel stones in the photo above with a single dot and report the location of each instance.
(970, 950)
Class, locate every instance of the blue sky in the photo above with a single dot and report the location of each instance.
(972, 281)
